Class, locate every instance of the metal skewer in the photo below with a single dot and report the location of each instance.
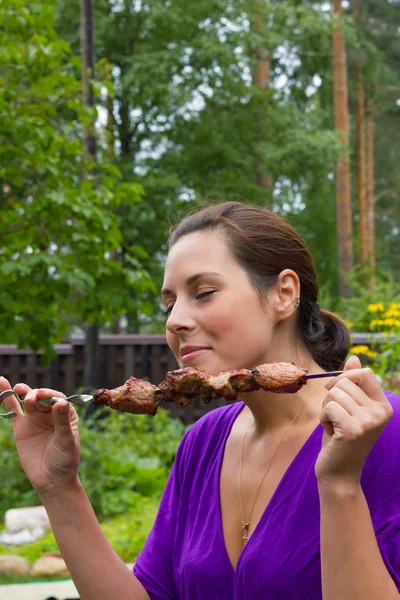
(77, 399)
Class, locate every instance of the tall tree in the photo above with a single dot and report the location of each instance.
(91, 370)
(363, 213)
(187, 110)
(57, 230)
(261, 80)
(371, 188)
(380, 33)
(343, 186)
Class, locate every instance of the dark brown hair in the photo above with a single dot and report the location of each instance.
(264, 244)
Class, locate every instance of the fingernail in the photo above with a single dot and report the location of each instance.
(28, 396)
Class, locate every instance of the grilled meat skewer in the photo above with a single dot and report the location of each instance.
(182, 385)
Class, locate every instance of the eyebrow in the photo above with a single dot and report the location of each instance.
(190, 280)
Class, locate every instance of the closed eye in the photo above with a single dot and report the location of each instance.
(201, 296)
(205, 294)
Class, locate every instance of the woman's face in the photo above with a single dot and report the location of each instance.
(216, 320)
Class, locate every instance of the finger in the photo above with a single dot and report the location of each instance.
(32, 400)
(62, 422)
(355, 392)
(10, 401)
(4, 384)
(341, 397)
(49, 393)
(353, 362)
(22, 390)
(30, 403)
(336, 420)
(365, 379)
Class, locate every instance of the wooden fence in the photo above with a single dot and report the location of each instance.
(145, 357)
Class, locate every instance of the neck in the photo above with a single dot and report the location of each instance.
(275, 412)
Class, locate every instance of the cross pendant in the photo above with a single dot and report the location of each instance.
(245, 527)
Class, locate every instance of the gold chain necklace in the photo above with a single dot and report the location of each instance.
(246, 523)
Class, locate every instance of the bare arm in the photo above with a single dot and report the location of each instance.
(354, 415)
(97, 571)
(47, 441)
(352, 565)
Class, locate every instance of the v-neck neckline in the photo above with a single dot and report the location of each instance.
(272, 500)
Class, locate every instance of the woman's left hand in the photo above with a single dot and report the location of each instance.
(354, 414)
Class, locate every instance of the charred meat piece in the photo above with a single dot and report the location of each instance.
(233, 382)
(134, 396)
(192, 382)
(281, 378)
(165, 392)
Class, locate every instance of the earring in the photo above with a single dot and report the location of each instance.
(297, 302)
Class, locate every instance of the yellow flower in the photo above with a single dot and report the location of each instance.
(393, 312)
(359, 349)
(376, 323)
(373, 308)
(349, 324)
(391, 322)
(365, 350)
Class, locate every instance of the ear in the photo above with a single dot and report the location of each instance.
(287, 290)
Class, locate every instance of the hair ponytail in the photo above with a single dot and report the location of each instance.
(326, 337)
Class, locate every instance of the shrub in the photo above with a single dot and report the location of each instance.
(123, 458)
(377, 310)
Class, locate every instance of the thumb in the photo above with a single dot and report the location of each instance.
(61, 419)
(353, 362)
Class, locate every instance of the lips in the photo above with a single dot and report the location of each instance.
(189, 349)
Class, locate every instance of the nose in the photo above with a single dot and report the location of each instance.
(180, 319)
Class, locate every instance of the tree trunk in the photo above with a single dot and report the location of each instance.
(261, 79)
(363, 227)
(361, 174)
(371, 186)
(110, 129)
(343, 187)
(91, 355)
(87, 57)
(91, 360)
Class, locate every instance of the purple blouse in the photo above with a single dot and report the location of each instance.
(185, 558)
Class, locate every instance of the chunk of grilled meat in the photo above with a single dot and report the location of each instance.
(281, 378)
(183, 385)
(134, 396)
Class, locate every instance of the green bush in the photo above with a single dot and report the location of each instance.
(376, 309)
(124, 458)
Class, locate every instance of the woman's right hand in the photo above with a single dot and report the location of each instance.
(46, 438)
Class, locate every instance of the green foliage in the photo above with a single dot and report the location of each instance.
(34, 550)
(356, 309)
(58, 221)
(377, 310)
(128, 532)
(128, 458)
(190, 124)
(124, 458)
(125, 462)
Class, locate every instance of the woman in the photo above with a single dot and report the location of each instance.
(291, 496)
